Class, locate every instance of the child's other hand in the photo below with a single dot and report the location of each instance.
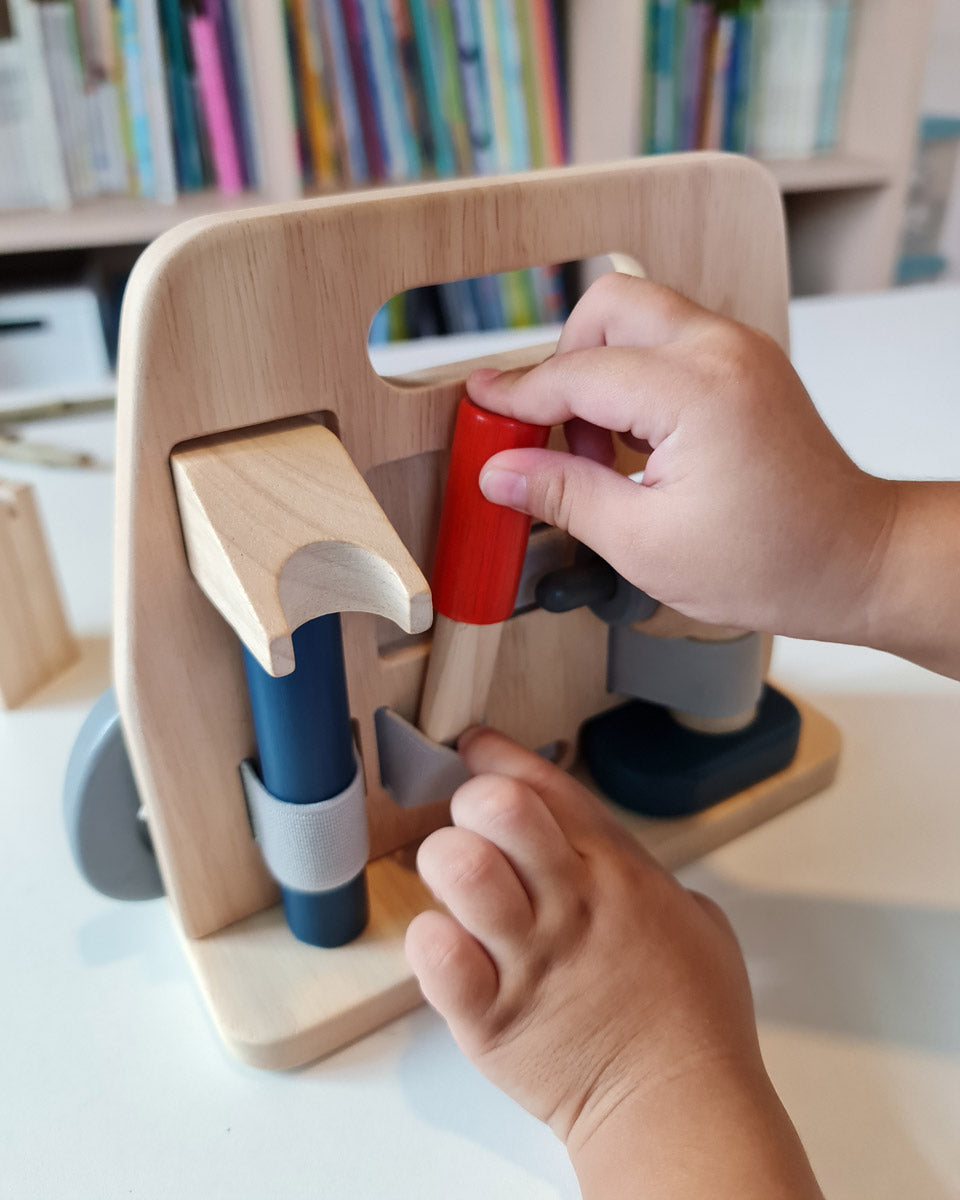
(749, 515)
(590, 986)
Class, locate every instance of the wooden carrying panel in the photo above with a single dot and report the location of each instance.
(239, 320)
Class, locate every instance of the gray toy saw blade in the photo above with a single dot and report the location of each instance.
(101, 807)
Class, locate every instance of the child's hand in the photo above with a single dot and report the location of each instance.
(750, 515)
(588, 984)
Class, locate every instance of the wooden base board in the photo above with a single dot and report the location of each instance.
(278, 1003)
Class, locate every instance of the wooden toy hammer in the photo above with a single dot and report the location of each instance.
(479, 560)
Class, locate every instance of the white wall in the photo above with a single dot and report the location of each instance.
(941, 97)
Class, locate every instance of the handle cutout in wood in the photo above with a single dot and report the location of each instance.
(513, 300)
(530, 296)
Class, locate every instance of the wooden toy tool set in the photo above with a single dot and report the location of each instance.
(278, 512)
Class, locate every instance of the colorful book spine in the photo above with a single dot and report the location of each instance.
(229, 34)
(718, 88)
(493, 72)
(364, 88)
(649, 76)
(412, 82)
(250, 133)
(490, 302)
(119, 80)
(379, 327)
(445, 163)
(386, 94)
(475, 85)
(838, 35)
(400, 97)
(680, 21)
(304, 155)
(531, 91)
(736, 132)
(216, 107)
(136, 98)
(547, 58)
(105, 66)
(186, 141)
(520, 301)
(664, 137)
(698, 36)
(354, 153)
(511, 61)
(155, 93)
(316, 118)
(451, 94)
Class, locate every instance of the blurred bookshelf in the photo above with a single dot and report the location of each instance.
(110, 221)
(844, 206)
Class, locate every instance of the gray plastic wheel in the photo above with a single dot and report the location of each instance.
(108, 838)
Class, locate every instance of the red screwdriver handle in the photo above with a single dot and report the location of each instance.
(480, 546)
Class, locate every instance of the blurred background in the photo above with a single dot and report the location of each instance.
(120, 118)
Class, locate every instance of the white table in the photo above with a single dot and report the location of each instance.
(113, 1083)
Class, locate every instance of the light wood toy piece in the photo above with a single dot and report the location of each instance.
(35, 641)
(236, 322)
(463, 659)
(280, 527)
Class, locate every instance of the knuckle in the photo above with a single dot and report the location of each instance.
(470, 867)
(494, 802)
(556, 499)
(608, 286)
(572, 911)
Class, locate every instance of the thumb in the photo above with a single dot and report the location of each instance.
(608, 512)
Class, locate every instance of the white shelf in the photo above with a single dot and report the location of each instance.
(828, 172)
(109, 221)
(126, 220)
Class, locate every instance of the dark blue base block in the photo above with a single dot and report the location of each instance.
(331, 918)
(643, 760)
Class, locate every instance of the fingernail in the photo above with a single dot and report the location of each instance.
(504, 487)
(468, 735)
(484, 375)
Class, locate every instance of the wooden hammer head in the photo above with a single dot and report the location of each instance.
(280, 527)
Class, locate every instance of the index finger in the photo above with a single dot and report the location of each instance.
(621, 389)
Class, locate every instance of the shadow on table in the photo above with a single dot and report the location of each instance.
(873, 971)
(868, 973)
(864, 968)
(446, 1090)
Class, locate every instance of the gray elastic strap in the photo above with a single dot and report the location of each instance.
(309, 847)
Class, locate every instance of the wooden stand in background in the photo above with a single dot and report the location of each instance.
(35, 642)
